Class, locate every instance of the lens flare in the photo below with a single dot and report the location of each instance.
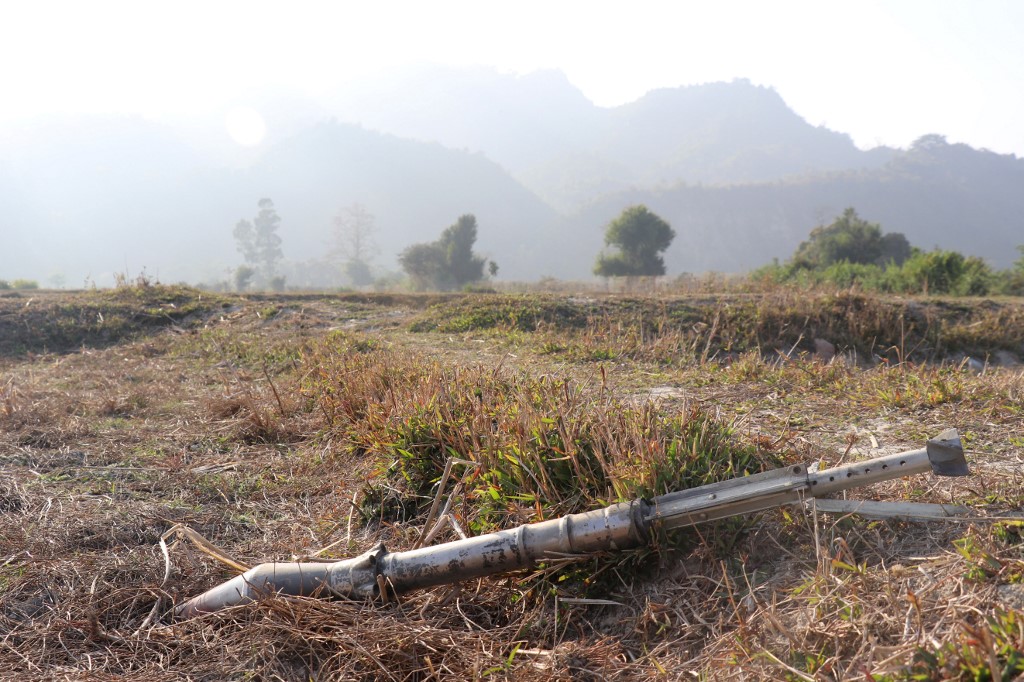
(245, 126)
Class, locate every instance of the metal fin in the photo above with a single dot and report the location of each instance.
(946, 454)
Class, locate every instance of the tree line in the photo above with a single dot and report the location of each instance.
(18, 284)
(447, 263)
(634, 244)
(852, 252)
(849, 251)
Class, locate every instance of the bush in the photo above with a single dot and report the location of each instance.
(1011, 282)
(852, 252)
(24, 284)
(244, 276)
(977, 278)
(845, 274)
(944, 272)
(1008, 283)
(937, 272)
(850, 239)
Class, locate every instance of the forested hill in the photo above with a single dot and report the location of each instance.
(717, 134)
(938, 194)
(740, 177)
(570, 152)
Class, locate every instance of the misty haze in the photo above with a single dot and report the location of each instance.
(741, 177)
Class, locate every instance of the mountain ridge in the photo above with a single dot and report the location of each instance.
(118, 193)
(712, 133)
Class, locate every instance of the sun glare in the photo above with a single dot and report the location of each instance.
(245, 126)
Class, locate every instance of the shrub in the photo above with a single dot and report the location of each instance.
(852, 239)
(852, 252)
(845, 274)
(943, 272)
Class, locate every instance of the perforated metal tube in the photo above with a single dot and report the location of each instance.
(618, 526)
(943, 456)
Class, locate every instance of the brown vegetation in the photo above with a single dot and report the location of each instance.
(294, 426)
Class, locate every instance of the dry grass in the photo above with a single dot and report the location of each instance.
(251, 422)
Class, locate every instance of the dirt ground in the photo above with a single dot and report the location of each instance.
(128, 419)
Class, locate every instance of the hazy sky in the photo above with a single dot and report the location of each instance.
(882, 71)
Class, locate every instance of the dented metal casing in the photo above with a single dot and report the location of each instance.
(619, 526)
(616, 527)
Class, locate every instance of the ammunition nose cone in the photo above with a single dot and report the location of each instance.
(946, 454)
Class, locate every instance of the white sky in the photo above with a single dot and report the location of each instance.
(882, 71)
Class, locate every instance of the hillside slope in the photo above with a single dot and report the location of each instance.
(113, 194)
(570, 151)
(937, 194)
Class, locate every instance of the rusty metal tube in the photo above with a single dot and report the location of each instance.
(618, 526)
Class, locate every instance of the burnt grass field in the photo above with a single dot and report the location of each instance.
(154, 440)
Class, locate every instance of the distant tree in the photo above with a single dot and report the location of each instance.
(1013, 279)
(894, 249)
(449, 262)
(357, 272)
(353, 243)
(425, 265)
(852, 239)
(639, 237)
(928, 142)
(243, 277)
(259, 243)
(465, 267)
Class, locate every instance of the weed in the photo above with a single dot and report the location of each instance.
(105, 447)
(990, 650)
(981, 563)
(542, 447)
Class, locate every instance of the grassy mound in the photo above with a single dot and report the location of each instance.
(56, 322)
(789, 321)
